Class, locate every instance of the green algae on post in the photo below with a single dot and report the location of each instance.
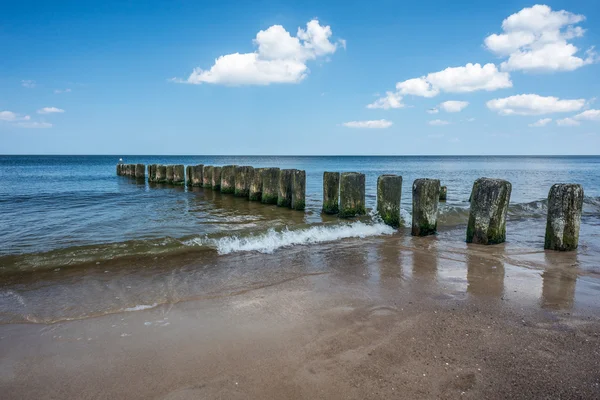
(331, 192)
(352, 194)
(443, 193)
(425, 199)
(256, 184)
(197, 175)
(489, 206)
(389, 193)
(216, 178)
(270, 185)
(207, 176)
(284, 192)
(228, 179)
(298, 190)
(242, 180)
(565, 204)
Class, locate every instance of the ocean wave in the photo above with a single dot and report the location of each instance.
(273, 240)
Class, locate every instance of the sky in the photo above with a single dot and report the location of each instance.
(310, 78)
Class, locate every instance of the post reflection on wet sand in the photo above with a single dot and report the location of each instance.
(485, 275)
(425, 259)
(559, 280)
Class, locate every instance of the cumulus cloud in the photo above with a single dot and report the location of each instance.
(50, 110)
(541, 122)
(279, 58)
(374, 124)
(470, 78)
(391, 100)
(438, 122)
(533, 104)
(453, 106)
(567, 122)
(537, 39)
(33, 125)
(29, 84)
(10, 116)
(590, 115)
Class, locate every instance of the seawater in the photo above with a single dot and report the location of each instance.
(66, 210)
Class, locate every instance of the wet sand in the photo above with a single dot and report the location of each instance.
(366, 319)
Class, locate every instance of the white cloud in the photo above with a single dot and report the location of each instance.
(541, 122)
(33, 125)
(438, 122)
(533, 104)
(567, 122)
(280, 58)
(10, 116)
(391, 100)
(50, 110)
(470, 119)
(374, 124)
(537, 39)
(433, 111)
(29, 84)
(58, 91)
(470, 78)
(591, 115)
(453, 106)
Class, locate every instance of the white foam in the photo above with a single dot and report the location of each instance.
(141, 307)
(273, 240)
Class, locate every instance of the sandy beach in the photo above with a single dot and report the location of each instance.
(364, 319)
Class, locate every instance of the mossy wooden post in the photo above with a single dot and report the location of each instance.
(425, 199)
(565, 204)
(270, 185)
(298, 190)
(487, 216)
(443, 193)
(140, 171)
(389, 193)
(352, 194)
(216, 178)
(118, 169)
(197, 175)
(132, 170)
(284, 188)
(256, 184)
(188, 175)
(331, 192)
(228, 179)
(179, 174)
(243, 174)
(152, 173)
(170, 174)
(207, 176)
(128, 170)
(161, 173)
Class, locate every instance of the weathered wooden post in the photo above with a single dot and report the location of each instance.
(170, 174)
(140, 171)
(256, 184)
(118, 169)
(151, 173)
(487, 216)
(284, 188)
(298, 190)
(352, 194)
(197, 175)
(128, 170)
(207, 176)
(216, 178)
(443, 193)
(188, 175)
(178, 174)
(243, 174)
(331, 192)
(270, 185)
(161, 173)
(389, 193)
(228, 179)
(425, 198)
(565, 204)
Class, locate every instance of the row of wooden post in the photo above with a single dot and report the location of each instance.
(344, 195)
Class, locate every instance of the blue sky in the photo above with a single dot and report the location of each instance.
(387, 77)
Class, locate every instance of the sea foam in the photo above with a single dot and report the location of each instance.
(273, 240)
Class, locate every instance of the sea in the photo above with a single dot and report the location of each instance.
(69, 220)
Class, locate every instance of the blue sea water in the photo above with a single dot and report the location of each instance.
(57, 208)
